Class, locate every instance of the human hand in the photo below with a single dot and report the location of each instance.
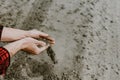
(11, 34)
(34, 46)
(27, 44)
(38, 34)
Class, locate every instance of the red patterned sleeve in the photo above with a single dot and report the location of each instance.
(4, 57)
(4, 60)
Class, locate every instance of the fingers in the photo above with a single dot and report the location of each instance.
(35, 46)
(37, 34)
(42, 49)
(32, 40)
(50, 39)
(40, 43)
(43, 34)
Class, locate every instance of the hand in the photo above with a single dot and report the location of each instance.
(38, 34)
(34, 46)
(11, 34)
(27, 44)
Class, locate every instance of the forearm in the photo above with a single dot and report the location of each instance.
(14, 47)
(10, 34)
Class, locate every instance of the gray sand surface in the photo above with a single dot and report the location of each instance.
(87, 34)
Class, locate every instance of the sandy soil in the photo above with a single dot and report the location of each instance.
(86, 34)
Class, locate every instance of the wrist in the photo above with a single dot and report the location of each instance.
(27, 34)
(23, 43)
(14, 47)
